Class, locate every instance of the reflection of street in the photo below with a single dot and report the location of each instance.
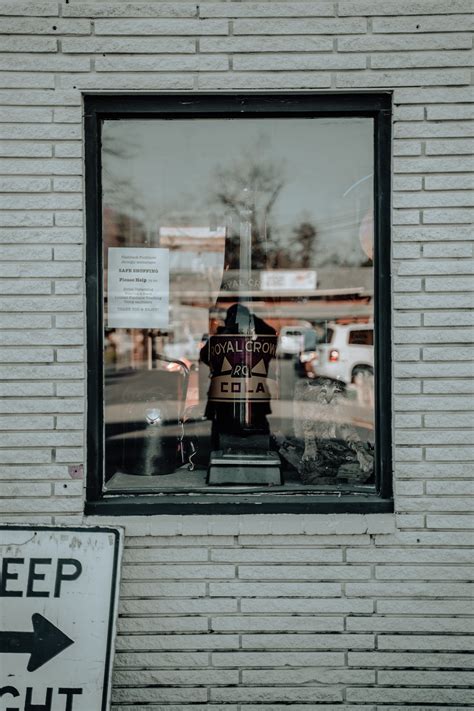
(145, 387)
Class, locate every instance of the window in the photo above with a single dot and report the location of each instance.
(238, 303)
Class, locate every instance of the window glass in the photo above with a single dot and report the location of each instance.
(238, 276)
(361, 337)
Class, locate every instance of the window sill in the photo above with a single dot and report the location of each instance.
(234, 504)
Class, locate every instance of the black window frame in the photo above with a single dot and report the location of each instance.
(100, 107)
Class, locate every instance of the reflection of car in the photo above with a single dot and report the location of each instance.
(292, 340)
(347, 354)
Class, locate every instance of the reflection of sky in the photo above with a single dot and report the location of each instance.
(170, 166)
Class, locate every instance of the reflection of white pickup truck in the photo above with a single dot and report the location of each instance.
(292, 340)
(347, 355)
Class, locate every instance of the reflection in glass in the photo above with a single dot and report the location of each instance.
(238, 301)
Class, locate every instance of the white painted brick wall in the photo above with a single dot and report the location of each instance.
(256, 612)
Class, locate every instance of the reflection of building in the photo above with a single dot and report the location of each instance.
(193, 238)
(122, 230)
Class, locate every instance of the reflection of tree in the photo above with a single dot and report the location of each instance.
(120, 193)
(305, 237)
(249, 189)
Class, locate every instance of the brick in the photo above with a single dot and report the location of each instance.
(433, 470)
(406, 251)
(454, 215)
(422, 77)
(44, 269)
(73, 455)
(17, 166)
(444, 129)
(427, 402)
(463, 522)
(446, 453)
(425, 678)
(177, 642)
(447, 251)
(425, 572)
(449, 182)
(19, 472)
(263, 9)
(449, 199)
(447, 147)
(266, 44)
(407, 624)
(150, 572)
(402, 7)
(407, 148)
(25, 286)
(406, 217)
(426, 607)
(67, 184)
(307, 641)
(408, 695)
(69, 389)
(277, 555)
(26, 115)
(407, 182)
(73, 303)
(422, 301)
(421, 24)
(308, 676)
(159, 625)
(246, 589)
(450, 112)
(160, 27)
(433, 336)
(67, 150)
(66, 286)
(22, 456)
(433, 165)
(455, 318)
(428, 267)
(293, 623)
(295, 572)
(30, 355)
(423, 643)
(452, 283)
(28, 44)
(391, 60)
(449, 488)
(24, 149)
(20, 372)
(111, 80)
(404, 42)
(49, 63)
(282, 80)
(19, 80)
(38, 98)
(31, 405)
(126, 45)
(270, 659)
(289, 62)
(26, 389)
(278, 694)
(130, 9)
(166, 695)
(45, 505)
(308, 606)
(299, 27)
(54, 26)
(427, 370)
(407, 589)
(165, 63)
